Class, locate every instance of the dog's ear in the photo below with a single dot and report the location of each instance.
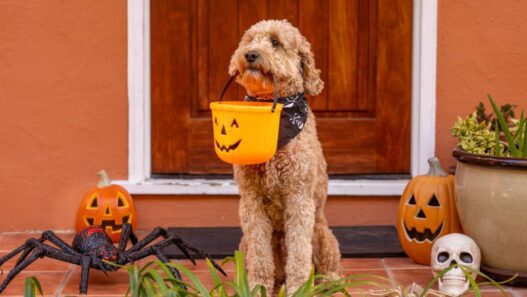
(313, 85)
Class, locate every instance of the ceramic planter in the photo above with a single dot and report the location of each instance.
(491, 198)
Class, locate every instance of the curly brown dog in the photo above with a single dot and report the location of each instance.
(282, 201)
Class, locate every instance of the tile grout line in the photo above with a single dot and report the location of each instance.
(389, 273)
(64, 281)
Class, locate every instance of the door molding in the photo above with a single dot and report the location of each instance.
(423, 132)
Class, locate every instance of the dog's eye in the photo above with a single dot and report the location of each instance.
(234, 123)
(275, 42)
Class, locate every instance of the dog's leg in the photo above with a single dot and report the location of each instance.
(257, 236)
(280, 256)
(299, 223)
(326, 253)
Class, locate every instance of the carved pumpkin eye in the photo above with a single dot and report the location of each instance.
(121, 201)
(94, 202)
(433, 202)
(234, 123)
(412, 200)
(216, 121)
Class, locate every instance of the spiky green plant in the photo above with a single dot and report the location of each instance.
(517, 138)
(156, 280)
(148, 281)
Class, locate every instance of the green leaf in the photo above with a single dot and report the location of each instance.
(240, 276)
(236, 289)
(32, 287)
(504, 127)
(519, 133)
(524, 142)
(472, 281)
(281, 293)
(216, 278)
(193, 278)
(497, 140)
(434, 280)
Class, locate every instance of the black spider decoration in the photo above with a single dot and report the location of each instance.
(92, 245)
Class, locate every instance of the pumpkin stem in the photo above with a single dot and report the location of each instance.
(104, 180)
(435, 168)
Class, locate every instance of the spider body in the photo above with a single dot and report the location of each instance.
(92, 247)
(95, 242)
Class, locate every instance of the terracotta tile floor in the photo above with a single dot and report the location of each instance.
(60, 279)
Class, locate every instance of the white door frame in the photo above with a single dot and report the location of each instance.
(139, 153)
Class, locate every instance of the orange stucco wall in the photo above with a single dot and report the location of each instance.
(481, 49)
(63, 107)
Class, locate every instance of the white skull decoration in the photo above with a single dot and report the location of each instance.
(452, 249)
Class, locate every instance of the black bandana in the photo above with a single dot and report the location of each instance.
(292, 118)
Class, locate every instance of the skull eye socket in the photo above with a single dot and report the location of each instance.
(412, 200)
(433, 202)
(442, 257)
(466, 257)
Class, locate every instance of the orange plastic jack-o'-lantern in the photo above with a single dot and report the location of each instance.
(106, 205)
(245, 132)
(427, 211)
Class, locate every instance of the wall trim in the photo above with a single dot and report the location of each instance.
(423, 113)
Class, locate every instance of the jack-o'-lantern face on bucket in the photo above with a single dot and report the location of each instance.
(245, 132)
(229, 136)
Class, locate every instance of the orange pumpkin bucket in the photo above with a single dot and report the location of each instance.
(245, 133)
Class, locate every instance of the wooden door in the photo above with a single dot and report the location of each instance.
(363, 48)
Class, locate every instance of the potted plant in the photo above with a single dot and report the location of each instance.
(491, 186)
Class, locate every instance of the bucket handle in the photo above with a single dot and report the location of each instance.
(228, 83)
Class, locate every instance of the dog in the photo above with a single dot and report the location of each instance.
(282, 201)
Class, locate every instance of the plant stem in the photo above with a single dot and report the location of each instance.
(497, 139)
(504, 127)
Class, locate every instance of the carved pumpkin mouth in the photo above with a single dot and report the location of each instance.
(109, 225)
(226, 149)
(427, 235)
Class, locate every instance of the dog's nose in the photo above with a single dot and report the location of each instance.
(251, 56)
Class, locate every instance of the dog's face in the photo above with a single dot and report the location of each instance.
(275, 48)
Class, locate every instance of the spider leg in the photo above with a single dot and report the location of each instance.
(183, 245)
(18, 268)
(155, 234)
(126, 233)
(85, 271)
(39, 250)
(14, 253)
(53, 238)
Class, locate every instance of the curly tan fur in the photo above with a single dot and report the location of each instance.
(282, 201)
